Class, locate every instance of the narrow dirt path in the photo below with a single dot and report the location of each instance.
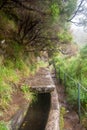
(71, 119)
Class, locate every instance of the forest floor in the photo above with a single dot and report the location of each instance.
(71, 118)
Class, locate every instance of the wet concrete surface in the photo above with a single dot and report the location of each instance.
(37, 115)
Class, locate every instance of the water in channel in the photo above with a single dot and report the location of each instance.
(36, 117)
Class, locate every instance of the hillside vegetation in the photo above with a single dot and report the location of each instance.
(75, 70)
(27, 29)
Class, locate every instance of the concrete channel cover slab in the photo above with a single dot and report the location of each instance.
(42, 81)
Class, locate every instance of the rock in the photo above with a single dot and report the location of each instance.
(3, 41)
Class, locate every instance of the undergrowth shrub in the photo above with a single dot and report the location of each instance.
(3, 126)
(11, 71)
(76, 69)
(5, 94)
(55, 10)
(30, 96)
(64, 37)
(62, 113)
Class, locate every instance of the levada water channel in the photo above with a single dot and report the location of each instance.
(37, 115)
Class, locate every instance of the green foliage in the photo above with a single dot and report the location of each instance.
(8, 74)
(33, 67)
(3, 126)
(72, 94)
(83, 52)
(7, 77)
(30, 96)
(76, 68)
(25, 88)
(17, 49)
(62, 113)
(41, 63)
(64, 37)
(70, 6)
(55, 11)
(19, 64)
(6, 23)
(12, 70)
(14, 64)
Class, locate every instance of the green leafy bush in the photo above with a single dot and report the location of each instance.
(5, 93)
(70, 6)
(64, 37)
(75, 68)
(3, 126)
(55, 10)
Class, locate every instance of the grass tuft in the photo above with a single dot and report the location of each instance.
(30, 96)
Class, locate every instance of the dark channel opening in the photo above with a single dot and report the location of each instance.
(37, 115)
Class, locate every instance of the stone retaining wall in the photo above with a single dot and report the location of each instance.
(53, 119)
(16, 121)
